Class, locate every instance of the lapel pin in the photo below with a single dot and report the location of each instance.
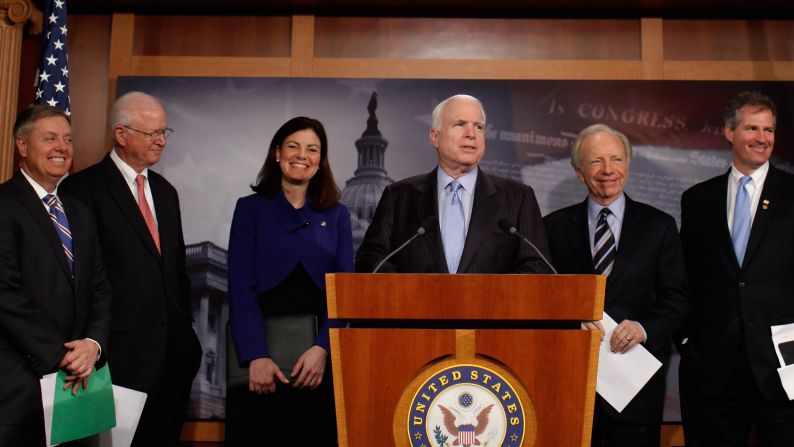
(765, 204)
(323, 224)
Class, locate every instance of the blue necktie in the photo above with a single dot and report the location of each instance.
(61, 224)
(453, 232)
(604, 241)
(741, 219)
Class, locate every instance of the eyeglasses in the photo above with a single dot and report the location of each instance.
(165, 133)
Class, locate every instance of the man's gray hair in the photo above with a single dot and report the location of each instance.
(576, 150)
(121, 114)
(440, 108)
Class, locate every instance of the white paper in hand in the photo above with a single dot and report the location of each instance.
(129, 406)
(622, 376)
(47, 384)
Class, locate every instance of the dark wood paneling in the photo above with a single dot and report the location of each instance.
(423, 38)
(249, 36)
(89, 50)
(729, 40)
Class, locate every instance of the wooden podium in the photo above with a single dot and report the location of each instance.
(413, 335)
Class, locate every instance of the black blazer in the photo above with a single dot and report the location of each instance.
(647, 284)
(407, 204)
(151, 292)
(42, 305)
(736, 305)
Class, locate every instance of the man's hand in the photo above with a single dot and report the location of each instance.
(594, 326)
(74, 382)
(80, 359)
(627, 335)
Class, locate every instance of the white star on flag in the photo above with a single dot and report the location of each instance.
(52, 86)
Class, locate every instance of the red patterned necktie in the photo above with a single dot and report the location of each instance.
(143, 204)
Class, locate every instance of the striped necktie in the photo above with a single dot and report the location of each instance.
(61, 224)
(604, 243)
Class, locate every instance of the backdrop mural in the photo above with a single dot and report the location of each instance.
(224, 125)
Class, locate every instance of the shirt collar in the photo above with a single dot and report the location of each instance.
(126, 170)
(40, 191)
(467, 180)
(617, 207)
(758, 176)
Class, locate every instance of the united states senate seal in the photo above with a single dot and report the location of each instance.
(466, 405)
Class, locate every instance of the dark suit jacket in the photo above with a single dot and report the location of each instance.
(42, 305)
(407, 204)
(268, 239)
(647, 284)
(735, 305)
(151, 292)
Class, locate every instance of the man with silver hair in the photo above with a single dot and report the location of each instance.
(462, 211)
(153, 347)
(637, 247)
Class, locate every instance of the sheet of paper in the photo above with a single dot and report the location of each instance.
(90, 411)
(47, 384)
(783, 339)
(622, 376)
(129, 405)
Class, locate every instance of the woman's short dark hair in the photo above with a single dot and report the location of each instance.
(322, 190)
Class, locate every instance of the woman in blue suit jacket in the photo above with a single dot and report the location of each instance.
(284, 239)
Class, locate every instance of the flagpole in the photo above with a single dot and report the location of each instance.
(14, 14)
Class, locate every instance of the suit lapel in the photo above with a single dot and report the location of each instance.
(427, 205)
(718, 214)
(631, 233)
(118, 189)
(163, 208)
(485, 206)
(34, 206)
(578, 236)
(764, 213)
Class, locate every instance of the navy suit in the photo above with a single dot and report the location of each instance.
(408, 204)
(729, 341)
(647, 284)
(42, 304)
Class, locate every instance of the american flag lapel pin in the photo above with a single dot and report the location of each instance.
(323, 224)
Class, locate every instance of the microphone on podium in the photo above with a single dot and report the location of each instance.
(505, 226)
(431, 220)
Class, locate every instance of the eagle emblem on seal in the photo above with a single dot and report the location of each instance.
(466, 433)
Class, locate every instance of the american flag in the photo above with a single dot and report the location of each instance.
(52, 78)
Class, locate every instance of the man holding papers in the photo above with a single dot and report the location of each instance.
(738, 236)
(637, 247)
(54, 299)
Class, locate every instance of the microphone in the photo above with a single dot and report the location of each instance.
(505, 226)
(431, 220)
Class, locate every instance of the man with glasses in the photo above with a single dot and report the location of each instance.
(153, 347)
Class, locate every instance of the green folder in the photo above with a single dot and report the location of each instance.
(86, 413)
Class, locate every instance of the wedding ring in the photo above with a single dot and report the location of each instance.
(628, 337)
(314, 380)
